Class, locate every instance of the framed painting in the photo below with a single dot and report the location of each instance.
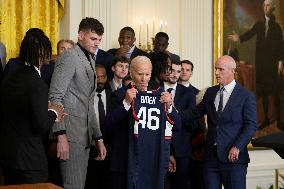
(241, 31)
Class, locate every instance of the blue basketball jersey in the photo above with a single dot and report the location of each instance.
(149, 141)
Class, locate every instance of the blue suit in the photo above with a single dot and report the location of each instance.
(233, 128)
(184, 101)
(104, 58)
(118, 123)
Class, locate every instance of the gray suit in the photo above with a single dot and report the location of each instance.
(73, 85)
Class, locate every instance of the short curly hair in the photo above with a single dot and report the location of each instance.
(92, 24)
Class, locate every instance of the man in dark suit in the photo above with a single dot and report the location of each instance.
(161, 43)
(98, 171)
(26, 116)
(127, 48)
(268, 53)
(186, 73)
(184, 101)
(231, 117)
(118, 119)
(197, 134)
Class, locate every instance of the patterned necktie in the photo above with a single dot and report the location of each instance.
(92, 62)
(220, 106)
(102, 113)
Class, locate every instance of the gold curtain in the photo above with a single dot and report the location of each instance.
(17, 16)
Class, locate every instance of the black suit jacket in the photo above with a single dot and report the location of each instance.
(136, 52)
(47, 71)
(25, 120)
(184, 101)
(104, 58)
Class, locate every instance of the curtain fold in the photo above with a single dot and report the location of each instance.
(17, 16)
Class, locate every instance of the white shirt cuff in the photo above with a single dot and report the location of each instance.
(170, 109)
(126, 106)
(54, 112)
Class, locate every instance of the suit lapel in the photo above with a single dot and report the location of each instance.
(178, 94)
(86, 64)
(213, 96)
(231, 100)
(108, 99)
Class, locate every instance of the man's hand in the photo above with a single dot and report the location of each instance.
(130, 94)
(101, 150)
(166, 97)
(233, 154)
(123, 50)
(62, 147)
(59, 110)
(172, 164)
(234, 38)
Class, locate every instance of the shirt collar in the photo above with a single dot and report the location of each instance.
(131, 49)
(229, 88)
(87, 53)
(103, 93)
(167, 85)
(38, 70)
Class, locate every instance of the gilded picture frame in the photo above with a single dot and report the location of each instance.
(228, 9)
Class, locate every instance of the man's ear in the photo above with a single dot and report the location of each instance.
(134, 39)
(81, 35)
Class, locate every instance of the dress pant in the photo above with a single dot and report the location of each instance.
(15, 177)
(180, 178)
(98, 175)
(216, 173)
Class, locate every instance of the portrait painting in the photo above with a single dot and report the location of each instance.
(251, 31)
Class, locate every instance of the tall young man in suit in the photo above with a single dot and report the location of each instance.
(127, 48)
(73, 84)
(25, 115)
(231, 117)
(184, 100)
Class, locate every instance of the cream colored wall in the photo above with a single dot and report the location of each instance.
(189, 26)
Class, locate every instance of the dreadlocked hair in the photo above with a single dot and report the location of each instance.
(160, 63)
(35, 49)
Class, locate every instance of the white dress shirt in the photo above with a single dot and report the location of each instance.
(226, 94)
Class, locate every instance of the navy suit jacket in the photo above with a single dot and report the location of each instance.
(118, 122)
(136, 52)
(235, 126)
(104, 58)
(184, 101)
(46, 72)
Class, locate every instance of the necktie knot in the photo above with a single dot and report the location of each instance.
(99, 95)
(170, 90)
